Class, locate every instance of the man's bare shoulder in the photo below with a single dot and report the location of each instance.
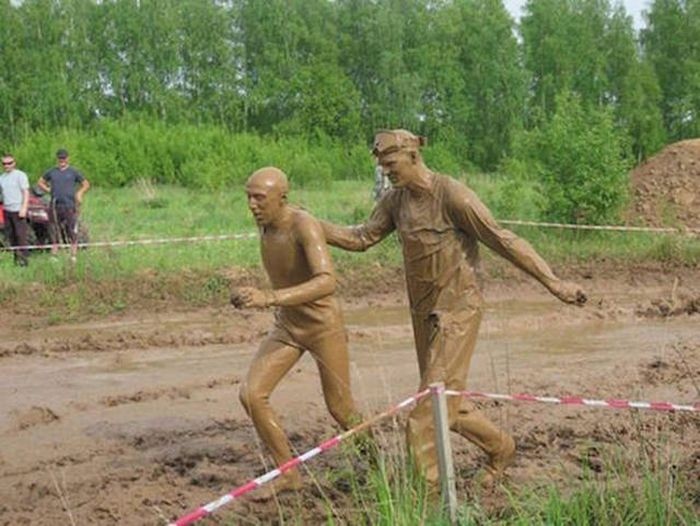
(304, 222)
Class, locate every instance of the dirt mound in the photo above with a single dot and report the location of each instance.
(665, 189)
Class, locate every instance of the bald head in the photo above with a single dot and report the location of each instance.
(267, 194)
(271, 178)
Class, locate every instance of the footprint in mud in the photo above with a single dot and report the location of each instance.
(679, 304)
(215, 454)
(145, 396)
(23, 349)
(33, 416)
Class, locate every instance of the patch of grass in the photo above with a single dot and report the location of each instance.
(621, 499)
(106, 279)
(630, 492)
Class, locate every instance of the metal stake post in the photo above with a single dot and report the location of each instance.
(444, 449)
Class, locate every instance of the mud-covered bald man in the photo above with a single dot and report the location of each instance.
(441, 222)
(307, 316)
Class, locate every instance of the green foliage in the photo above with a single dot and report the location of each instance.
(579, 158)
(654, 499)
(511, 196)
(669, 42)
(589, 48)
(490, 97)
(321, 69)
(116, 153)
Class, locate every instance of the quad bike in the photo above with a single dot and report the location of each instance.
(38, 217)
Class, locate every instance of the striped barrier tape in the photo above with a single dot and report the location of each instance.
(616, 228)
(157, 241)
(577, 400)
(250, 235)
(210, 508)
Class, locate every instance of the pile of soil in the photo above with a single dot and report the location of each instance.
(666, 188)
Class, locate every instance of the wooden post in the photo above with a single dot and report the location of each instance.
(444, 450)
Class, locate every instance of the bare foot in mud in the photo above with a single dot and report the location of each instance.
(494, 472)
(284, 484)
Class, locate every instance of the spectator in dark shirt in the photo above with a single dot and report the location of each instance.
(62, 181)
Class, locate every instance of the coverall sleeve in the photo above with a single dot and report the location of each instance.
(359, 238)
(475, 219)
(311, 240)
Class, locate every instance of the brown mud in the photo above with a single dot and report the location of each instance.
(133, 419)
(665, 189)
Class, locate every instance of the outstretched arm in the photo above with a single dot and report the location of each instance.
(360, 237)
(475, 218)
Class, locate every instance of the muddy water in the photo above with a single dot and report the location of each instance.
(525, 327)
(516, 337)
(530, 345)
(111, 420)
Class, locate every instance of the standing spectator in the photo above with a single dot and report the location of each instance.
(381, 183)
(15, 191)
(62, 181)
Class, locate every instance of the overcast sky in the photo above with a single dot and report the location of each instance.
(633, 7)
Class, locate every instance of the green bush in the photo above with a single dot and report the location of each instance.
(115, 153)
(580, 160)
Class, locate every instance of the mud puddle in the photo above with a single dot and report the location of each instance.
(136, 430)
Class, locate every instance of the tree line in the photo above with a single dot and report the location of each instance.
(461, 72)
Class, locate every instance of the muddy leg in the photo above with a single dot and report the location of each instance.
(495, 442)
(445, 344)
(331, 356)
(270, 364)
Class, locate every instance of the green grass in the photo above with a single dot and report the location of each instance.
(628, 488)
(108, 279)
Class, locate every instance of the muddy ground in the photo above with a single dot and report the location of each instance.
(134, 419)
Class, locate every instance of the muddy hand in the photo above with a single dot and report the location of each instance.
(570, 292)
(243, 297)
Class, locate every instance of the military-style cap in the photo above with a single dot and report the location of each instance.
(389, 141)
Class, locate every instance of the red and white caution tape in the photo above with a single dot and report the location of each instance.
(210, 508)
(133, 242)
(616, 228)
(578, 400)
(251, 235)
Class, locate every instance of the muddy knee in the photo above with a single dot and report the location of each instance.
(252, 400)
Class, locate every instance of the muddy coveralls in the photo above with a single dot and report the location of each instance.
(439, 232)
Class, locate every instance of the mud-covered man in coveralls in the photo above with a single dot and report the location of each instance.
(307, 316)
(440, 223)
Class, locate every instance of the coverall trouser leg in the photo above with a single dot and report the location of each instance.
(445, 343)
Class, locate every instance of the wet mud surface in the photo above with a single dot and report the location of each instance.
(134, 419)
